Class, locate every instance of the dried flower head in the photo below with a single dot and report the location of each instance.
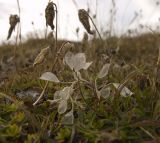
(84, 19)
(13, 20)
(41, 56)
(50, 14)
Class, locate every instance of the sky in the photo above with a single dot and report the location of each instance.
(32, 11)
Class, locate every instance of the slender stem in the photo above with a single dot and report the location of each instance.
(156, 71)
(56, 25)
(158, 61)
(95, 26)
(72, 134)
(148, 133)
(42, 93)
(75, 3)
(96, 90)
(17, 36)
(19, 10)
(80, 89)
(16, 46)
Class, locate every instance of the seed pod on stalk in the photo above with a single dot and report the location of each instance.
(84, 19)
(50, 15)
(13, 20)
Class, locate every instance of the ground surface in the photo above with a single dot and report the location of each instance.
(110, 118)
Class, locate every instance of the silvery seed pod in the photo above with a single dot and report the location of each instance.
(84, 19)
(49, 15)
(13, 20)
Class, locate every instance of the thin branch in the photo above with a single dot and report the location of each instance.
(42, 93)
(56, 25)
(95, 27)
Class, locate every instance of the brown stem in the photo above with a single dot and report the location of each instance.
(158, 61)
(42, 93)
(56, 25)
(80, 89)
(95, 26)
(17, 36)
(19, 10)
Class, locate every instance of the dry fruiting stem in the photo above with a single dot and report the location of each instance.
(156, 72)
(42, 93)
(80, 89)
(148, 133)
(19, 10)
(56, 24)
(158, 61)
(17, 36)
(16, 46)
(95, 27)
(54, 63)
(96, 90)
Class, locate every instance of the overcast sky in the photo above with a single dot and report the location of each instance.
(33, 11)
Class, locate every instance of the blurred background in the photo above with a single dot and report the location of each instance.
(112, 17)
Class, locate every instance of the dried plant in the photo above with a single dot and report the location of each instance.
(54, 64)
(13, 20)
(82, 94)
(84, 19)
(41, 56)
(50, 15)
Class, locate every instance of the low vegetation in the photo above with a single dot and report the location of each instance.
(93, 91)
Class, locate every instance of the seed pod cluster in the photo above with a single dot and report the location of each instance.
(49, 15)
(13, 20)
(84, 19)
(41, 56)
